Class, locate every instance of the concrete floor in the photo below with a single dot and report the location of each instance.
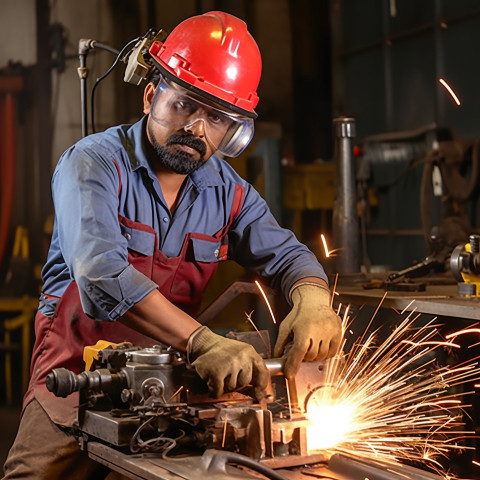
(9, 417)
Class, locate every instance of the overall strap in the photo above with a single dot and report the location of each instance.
(235, 210)
(119, 178)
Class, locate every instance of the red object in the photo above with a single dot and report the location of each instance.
(60, 340)
(216, 54)
(9, 86)
(357, 151)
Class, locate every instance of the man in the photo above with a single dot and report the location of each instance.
(144, 213)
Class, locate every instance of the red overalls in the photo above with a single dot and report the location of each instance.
(60, 339)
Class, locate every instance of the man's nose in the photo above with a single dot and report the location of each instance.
(196, 128)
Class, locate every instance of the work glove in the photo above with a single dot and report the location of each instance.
(226, 364)
(316, 329)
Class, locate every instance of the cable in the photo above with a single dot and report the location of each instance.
(220, 459)
(104, 47)
(114, 64)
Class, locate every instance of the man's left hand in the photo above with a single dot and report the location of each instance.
(316, 329)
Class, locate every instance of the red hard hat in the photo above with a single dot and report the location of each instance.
(215, 54)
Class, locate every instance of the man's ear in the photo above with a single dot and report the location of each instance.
(148, 97)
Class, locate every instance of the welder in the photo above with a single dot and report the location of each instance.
(144, 213)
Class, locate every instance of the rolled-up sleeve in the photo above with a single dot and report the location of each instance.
(258, 243)
(85, 189)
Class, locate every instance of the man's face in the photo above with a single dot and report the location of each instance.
(181, 152)
(181, 149)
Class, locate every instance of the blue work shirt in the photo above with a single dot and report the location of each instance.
(107, 174)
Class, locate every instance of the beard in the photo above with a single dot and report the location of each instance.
(179, 161)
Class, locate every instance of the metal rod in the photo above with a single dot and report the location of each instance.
(83, 74)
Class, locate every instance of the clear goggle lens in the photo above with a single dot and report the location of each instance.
(177, 108)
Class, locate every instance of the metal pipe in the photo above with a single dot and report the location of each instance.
(345, 218)
(83, 74)
(275, 365)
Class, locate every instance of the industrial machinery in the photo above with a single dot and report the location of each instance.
(145, 413)
(417, 191)
(465, 266)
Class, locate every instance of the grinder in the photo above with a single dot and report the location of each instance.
(465, 266)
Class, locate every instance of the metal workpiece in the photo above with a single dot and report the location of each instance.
(275, 366)
(345, 218)
(355, 468)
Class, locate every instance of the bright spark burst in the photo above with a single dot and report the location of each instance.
(450, 91)
(392, 400)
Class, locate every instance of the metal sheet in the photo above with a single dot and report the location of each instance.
(340, 467)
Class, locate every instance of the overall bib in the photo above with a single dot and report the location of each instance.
(61, 338)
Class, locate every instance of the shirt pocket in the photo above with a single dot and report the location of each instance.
(209, 251)
(141, 246)
(196, 269)
(139, 241)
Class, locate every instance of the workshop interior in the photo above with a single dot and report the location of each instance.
(367, 146)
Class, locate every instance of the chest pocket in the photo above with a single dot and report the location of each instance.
(209, 251)
(139, 241)
(200, 261)
(141, 244)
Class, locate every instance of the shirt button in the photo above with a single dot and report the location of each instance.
(216, 252)
(165, 219)
(128, 236)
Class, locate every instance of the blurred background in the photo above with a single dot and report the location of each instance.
(378, 62)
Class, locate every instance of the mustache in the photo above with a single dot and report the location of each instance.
(190, 141)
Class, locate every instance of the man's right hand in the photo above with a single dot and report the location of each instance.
(225, 364)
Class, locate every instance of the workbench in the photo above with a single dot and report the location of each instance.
(156, 467)
(437, 299)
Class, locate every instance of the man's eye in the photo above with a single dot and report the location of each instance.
(185, 107)
(217, 118)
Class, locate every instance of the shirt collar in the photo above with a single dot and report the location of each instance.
(205, 176)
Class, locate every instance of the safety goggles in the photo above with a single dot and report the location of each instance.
(177, 108)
